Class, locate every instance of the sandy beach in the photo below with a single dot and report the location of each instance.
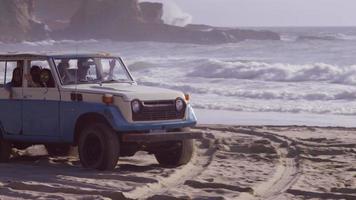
(231, 162)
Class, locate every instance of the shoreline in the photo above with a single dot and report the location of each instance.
(235, 118)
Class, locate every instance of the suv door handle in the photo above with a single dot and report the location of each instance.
(27, 96)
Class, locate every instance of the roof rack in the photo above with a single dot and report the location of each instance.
(16, 55)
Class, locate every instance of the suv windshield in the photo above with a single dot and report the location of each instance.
(91, 70)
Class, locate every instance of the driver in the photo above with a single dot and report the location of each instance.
(63, 66)
(83, 67)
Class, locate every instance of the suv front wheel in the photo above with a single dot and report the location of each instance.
(98, 147)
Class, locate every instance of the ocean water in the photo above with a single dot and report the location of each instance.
(310, 71)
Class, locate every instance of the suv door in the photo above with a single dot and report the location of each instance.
(40, 102)
(10, 107)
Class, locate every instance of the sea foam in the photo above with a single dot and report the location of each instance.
(279, 72)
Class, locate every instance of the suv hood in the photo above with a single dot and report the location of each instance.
(128, 91)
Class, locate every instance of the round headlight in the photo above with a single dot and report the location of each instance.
(179, 105)
(136, 106)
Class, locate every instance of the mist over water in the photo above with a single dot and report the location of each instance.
(312, 70)
(172, 13)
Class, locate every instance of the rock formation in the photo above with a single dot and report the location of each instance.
(126, 20)
(56, 14)
(17, 22)
(152, 12)
(121, 20)
(111, 19)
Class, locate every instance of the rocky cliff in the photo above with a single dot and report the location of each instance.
(17, 22)
(152, 12)
(127, 20)
(109, 19)
(122, 20)
(56, 14)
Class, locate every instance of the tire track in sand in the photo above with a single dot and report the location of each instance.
(200, 161)
(286, 172)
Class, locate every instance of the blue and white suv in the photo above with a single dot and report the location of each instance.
(90, 101)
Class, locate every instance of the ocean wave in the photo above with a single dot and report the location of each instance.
(278, 72)
(140, 66)
(327, 37)
(289, 96)
(56, 42)
(342, 36)
(245, 93)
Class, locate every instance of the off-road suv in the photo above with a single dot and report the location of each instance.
(90, 101)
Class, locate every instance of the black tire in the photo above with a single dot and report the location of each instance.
(58, 149)
(5, 150)
(99, 147)
(177, 153)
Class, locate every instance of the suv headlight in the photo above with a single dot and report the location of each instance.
(180, 104)
(136, 106)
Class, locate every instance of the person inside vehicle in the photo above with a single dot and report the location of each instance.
(110, 76)
(70, 76)
(50, 81)
(63, 66)
(16, 80)
(34, 80)
(83, 67)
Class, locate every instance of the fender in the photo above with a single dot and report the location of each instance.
(72, 111)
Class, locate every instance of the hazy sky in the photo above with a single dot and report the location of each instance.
(271, 12)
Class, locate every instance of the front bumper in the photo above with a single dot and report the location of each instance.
(160, 136)
(119, 123)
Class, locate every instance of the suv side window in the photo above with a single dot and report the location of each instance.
(35, 70)
(7, 69)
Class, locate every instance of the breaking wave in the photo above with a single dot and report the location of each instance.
(173, 14)
(326, 37)
(278, 72)
(314, 95)
(56, 42)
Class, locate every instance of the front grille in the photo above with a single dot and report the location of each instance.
(158, 110)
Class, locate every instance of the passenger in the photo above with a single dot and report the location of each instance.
(50, 82)
(16, 81)
(63, 66)
(35, 79)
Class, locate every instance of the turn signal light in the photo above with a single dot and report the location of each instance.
(187, 97)
(108, 99)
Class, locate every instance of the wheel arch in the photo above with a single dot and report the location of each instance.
(86, 119)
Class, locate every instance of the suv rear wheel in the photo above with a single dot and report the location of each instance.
(5, 150)
(99, 147)
(176, 153)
